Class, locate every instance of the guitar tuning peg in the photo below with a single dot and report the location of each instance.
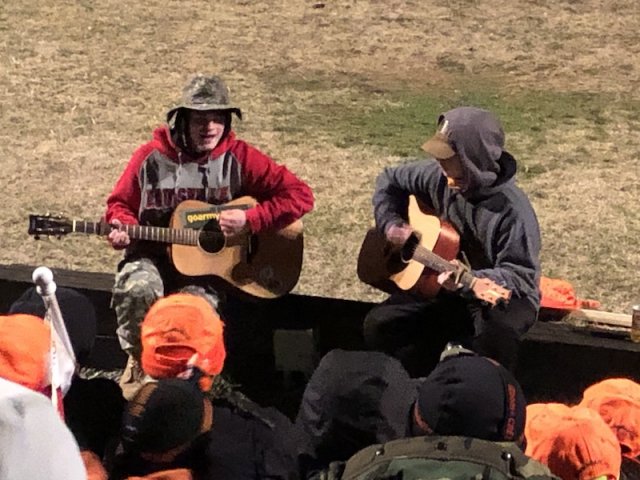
(36, 237)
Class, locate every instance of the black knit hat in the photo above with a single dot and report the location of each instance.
(78, 314)
(471, 396)
(165, 416)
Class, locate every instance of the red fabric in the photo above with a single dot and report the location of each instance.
(560, 294)
(24, 350)
(175, 329)
(282, 196)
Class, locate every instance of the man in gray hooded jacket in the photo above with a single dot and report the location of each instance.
(470, 184)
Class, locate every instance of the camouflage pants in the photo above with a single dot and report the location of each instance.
(137, 286)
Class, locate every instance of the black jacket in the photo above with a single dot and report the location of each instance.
(241, 445)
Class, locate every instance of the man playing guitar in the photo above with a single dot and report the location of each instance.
(196, 156)
(470, 184)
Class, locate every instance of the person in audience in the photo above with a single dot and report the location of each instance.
(34, 442)
(182, 337)
(352, 400)
(471, 396)
(183, 331)
(179, 332)
(171, 427)
(456, 421)
(91, 408)
(24, 350)
(574, 442)
(617, 400)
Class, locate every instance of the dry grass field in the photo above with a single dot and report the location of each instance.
(336, 90)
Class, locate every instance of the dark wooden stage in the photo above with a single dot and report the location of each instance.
(557, 360)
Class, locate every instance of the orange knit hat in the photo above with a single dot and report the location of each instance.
(613, 387)
(24, 348)
(541, 417)
(575, 445)
(621, 412)
(179, 331)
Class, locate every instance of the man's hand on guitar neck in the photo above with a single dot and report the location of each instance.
(448, 279)
(233, 222)
(398, 234)
(118, 238)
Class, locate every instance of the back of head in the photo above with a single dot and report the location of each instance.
(617, 400)
(164, 418)
(352, 400)
(612, 387)
(471, 396)
(181, 331)
(541, 417)
(77, 311)
(575, 443)
(24, 350)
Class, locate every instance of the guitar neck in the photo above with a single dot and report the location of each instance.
(435, 262)
(181, 236)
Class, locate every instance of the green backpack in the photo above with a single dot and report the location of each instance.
(440, 458)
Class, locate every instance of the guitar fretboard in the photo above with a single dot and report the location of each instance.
(181, 236)
(434, 262)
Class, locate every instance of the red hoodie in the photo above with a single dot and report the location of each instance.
(159, 177)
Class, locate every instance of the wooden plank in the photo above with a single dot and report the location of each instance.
(564, 333)
(620, 320)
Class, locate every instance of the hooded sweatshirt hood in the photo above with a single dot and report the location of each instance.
(477, 136)
(353, 399)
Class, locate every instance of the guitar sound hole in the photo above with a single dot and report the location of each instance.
(211, 238)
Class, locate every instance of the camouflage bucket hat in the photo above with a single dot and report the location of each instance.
(204, 92)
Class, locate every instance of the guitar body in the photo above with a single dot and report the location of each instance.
(380, 264)
(266, 265)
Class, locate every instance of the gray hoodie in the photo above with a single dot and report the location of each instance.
(498, 228)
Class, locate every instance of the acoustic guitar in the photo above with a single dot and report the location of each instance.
(415, 266)
(263, 265)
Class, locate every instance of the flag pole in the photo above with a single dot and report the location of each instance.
(60, 342)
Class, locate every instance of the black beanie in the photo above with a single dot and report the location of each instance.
(472, 396)
(78, 314)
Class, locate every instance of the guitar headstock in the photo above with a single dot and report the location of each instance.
(489, 291)
(48, 224)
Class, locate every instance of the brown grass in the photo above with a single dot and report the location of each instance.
(83, 83)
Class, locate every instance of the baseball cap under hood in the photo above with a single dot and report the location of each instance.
(477, 136)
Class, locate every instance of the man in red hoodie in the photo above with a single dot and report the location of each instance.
(196, 156)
